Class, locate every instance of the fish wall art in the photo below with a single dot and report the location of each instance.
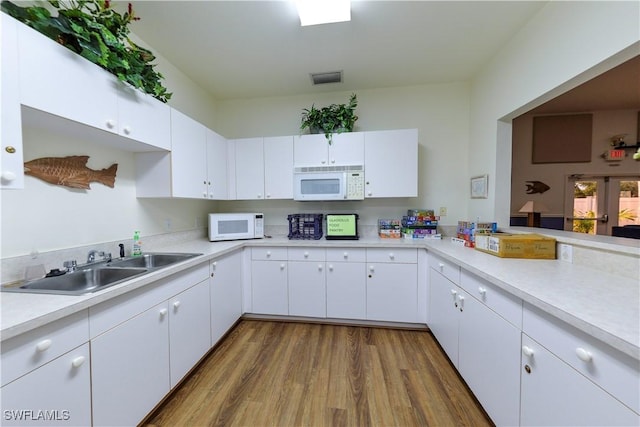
(71, 171)
(534, 187)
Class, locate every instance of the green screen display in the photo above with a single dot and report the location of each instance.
(341, 225)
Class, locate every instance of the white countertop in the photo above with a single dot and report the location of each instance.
(600, 304)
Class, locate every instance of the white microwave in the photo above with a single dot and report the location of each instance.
(235, 226)
(328, 183)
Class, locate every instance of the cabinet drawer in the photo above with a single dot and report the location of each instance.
(503, 303)
(446, 268)
(110, 314)
(26, 352)
(393, 255)
(616, 372)
(269, 253)
(306, 254)
(346, 255)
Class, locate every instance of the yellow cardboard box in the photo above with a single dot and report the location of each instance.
(534, 246)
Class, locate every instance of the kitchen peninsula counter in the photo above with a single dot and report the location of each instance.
(600, 304)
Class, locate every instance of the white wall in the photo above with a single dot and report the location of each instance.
(440, 112)
(564, 45)
(45, 217)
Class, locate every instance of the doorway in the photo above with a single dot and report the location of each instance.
(595, 204)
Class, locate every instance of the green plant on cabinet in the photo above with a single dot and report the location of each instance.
(335, 118)
(97, 32)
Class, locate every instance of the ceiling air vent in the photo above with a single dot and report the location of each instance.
(324, 78)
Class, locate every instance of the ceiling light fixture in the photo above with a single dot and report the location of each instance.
(315, 12)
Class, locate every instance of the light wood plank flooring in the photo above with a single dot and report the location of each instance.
(296, 374)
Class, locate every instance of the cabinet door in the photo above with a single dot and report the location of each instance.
(387, 178)
(216, 166)
(278, 167)
(392, 292)
(189, 329)
(443, 313)
(56, 394)
(11, 157)
(226, 294)
(249, 168)
(269, 294)
(188, 157)
(489, 359)
(130, 368)
(307, 289)
(346, 290)
(553, 393)
(310, 150)
(347, 149)
(95, 101)
(143, 118)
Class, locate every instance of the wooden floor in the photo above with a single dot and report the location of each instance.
(296, 374)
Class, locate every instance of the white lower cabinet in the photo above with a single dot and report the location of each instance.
(307, 282)
(553, 393)
(130, 368)
(56, 394)
(226, 294)
(480, 342)
(346, 284)
(143, 343)
(189, 329)
(443, 313)
(269, 284)
(392, 285)
(353, 283)
(488, 360)
(570, 378)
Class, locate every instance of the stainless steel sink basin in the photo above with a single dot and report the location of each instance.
(79, 282)
(153, 260)
(97, 276)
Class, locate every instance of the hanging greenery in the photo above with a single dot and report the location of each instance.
(335, 118)
(94, 30)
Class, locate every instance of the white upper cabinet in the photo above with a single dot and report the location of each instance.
(84, 93)
(188, 157)
(11, 158)
(391, 163)
(315, 150)
(196, 167)
(143, 118)
(216, 166)
(249, 153)
(278, 167)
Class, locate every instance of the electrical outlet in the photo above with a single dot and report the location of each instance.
(167, 224)
(443, 211)
(566, 252)
(198, 222)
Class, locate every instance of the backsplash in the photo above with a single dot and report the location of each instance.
(13, 269)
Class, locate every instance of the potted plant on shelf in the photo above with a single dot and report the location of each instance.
(95, 31)
(336, 118)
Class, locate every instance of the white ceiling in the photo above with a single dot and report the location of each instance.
(249, 49)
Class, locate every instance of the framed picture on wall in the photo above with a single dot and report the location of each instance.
(480, 187)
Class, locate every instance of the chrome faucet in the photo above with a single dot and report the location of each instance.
(91, 257)
(70, 265)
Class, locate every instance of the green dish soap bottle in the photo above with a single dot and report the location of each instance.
(137, 244)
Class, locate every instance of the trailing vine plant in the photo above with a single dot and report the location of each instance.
(97, 32)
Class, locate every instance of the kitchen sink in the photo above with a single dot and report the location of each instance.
(83, 281)
(97, 276)
(153, 260)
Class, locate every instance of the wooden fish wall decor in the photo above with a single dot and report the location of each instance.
(71, 171)
(534, 187)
